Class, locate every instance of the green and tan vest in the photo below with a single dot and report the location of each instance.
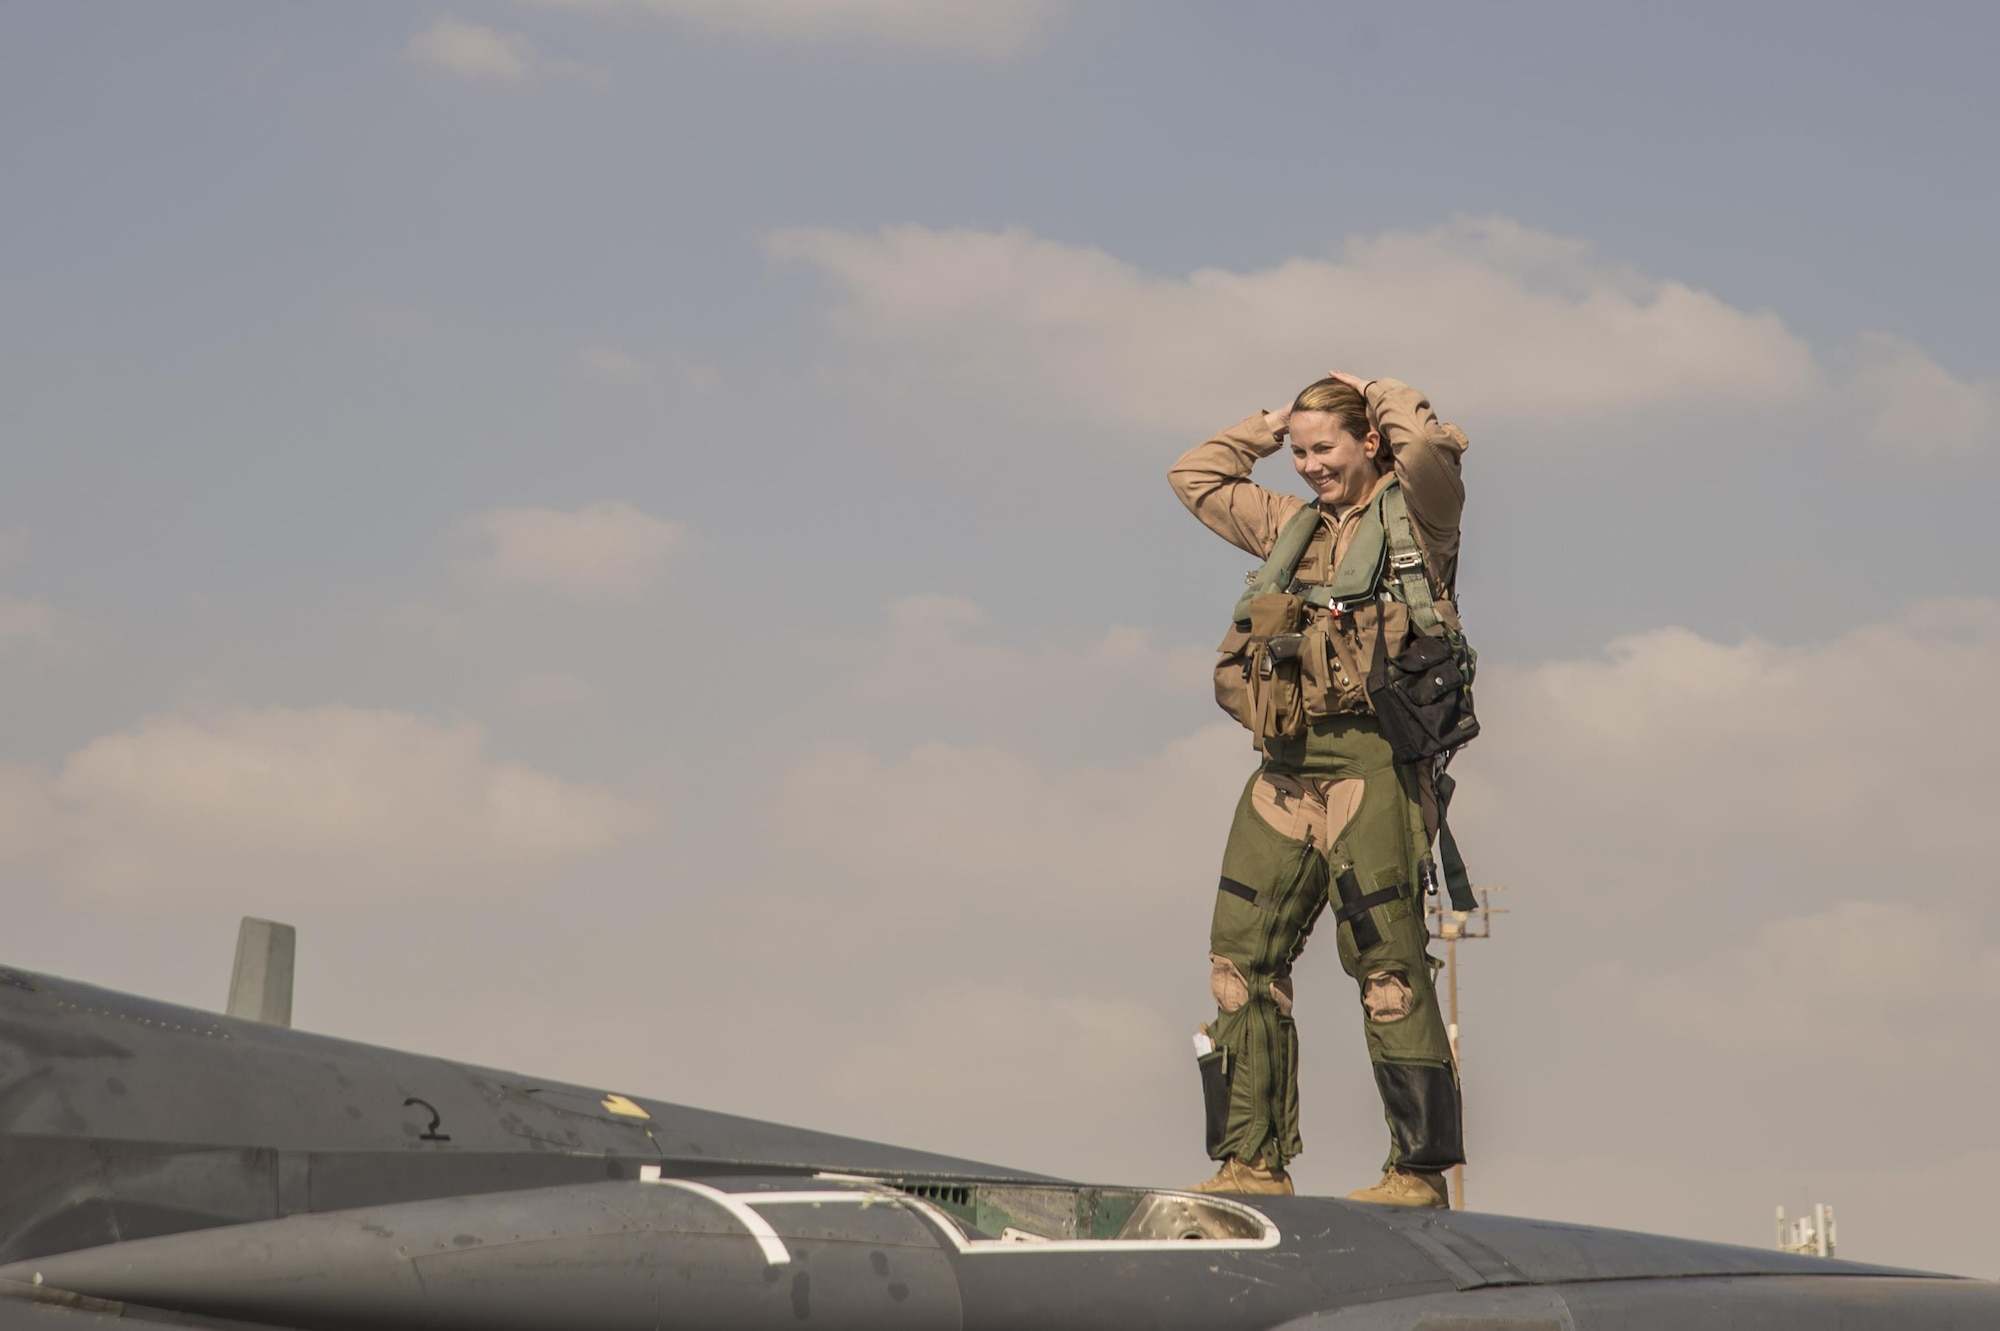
(1304, 632)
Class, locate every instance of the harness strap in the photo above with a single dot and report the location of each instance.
(1406, 563)
(1276, 573)
(1385, 535)
(1384, 542)
(1457, 881)
(1325, 598)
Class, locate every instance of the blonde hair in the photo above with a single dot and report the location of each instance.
(1349, 409)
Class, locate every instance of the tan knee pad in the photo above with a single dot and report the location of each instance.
(1226, 982)
(1387, 996)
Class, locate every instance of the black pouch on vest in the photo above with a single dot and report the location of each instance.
(1423, 696)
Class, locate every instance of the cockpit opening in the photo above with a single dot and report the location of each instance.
(1039, 1214)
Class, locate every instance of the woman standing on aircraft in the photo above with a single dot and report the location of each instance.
(1354, 597)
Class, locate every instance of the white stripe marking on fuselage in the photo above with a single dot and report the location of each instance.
(775, 1251)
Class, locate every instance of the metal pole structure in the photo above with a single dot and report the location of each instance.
(1451, 1033)
(1450, 925)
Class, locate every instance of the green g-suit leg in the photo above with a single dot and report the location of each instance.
(1272, 890)
(1383, 938)
(1273, 887)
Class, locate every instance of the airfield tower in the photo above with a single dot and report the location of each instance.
(1814, 1235)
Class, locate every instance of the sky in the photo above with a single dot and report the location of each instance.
(640, 526)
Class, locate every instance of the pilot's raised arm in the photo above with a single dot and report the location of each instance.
(1428, 455)
(1213, 480)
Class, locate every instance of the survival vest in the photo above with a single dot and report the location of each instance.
(1372, 635)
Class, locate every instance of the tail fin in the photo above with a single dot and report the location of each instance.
(260, 988)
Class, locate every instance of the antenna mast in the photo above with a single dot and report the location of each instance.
(1451, 926)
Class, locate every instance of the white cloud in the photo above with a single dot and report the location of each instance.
(1916, 405)
(607, 550)
(980, 819)
(1508, 324)
(1891, 983)
(470, 51)
(615, 364)
(27, 811)
(548, 691)
(1510, 321)
(993, 1061)
(481, 54)
(365, 799)
(988, 27)
(1876, 745)
(30, 628)
(938, 654)
(1753, 926)
(619, 365)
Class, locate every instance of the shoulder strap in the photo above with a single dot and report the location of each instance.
(1276, 573)
(1406, 562)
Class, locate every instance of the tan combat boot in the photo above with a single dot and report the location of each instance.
(1248, 1177)
(1406, 1187)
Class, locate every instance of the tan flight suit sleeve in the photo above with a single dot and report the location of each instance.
(1213, 480)
(1428, 452)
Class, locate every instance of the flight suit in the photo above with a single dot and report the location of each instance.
(1330, 822)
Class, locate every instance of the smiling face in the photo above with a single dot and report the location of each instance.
(1339, 467)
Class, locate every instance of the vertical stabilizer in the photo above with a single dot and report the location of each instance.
(260, 988)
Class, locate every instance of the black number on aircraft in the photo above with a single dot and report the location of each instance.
(431, 1133)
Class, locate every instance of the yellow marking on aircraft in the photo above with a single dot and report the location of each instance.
(618, 1104)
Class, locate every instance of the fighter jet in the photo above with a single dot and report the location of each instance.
(165, 1166)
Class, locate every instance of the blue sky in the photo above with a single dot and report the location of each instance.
(1819, 159)
(666, 498)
